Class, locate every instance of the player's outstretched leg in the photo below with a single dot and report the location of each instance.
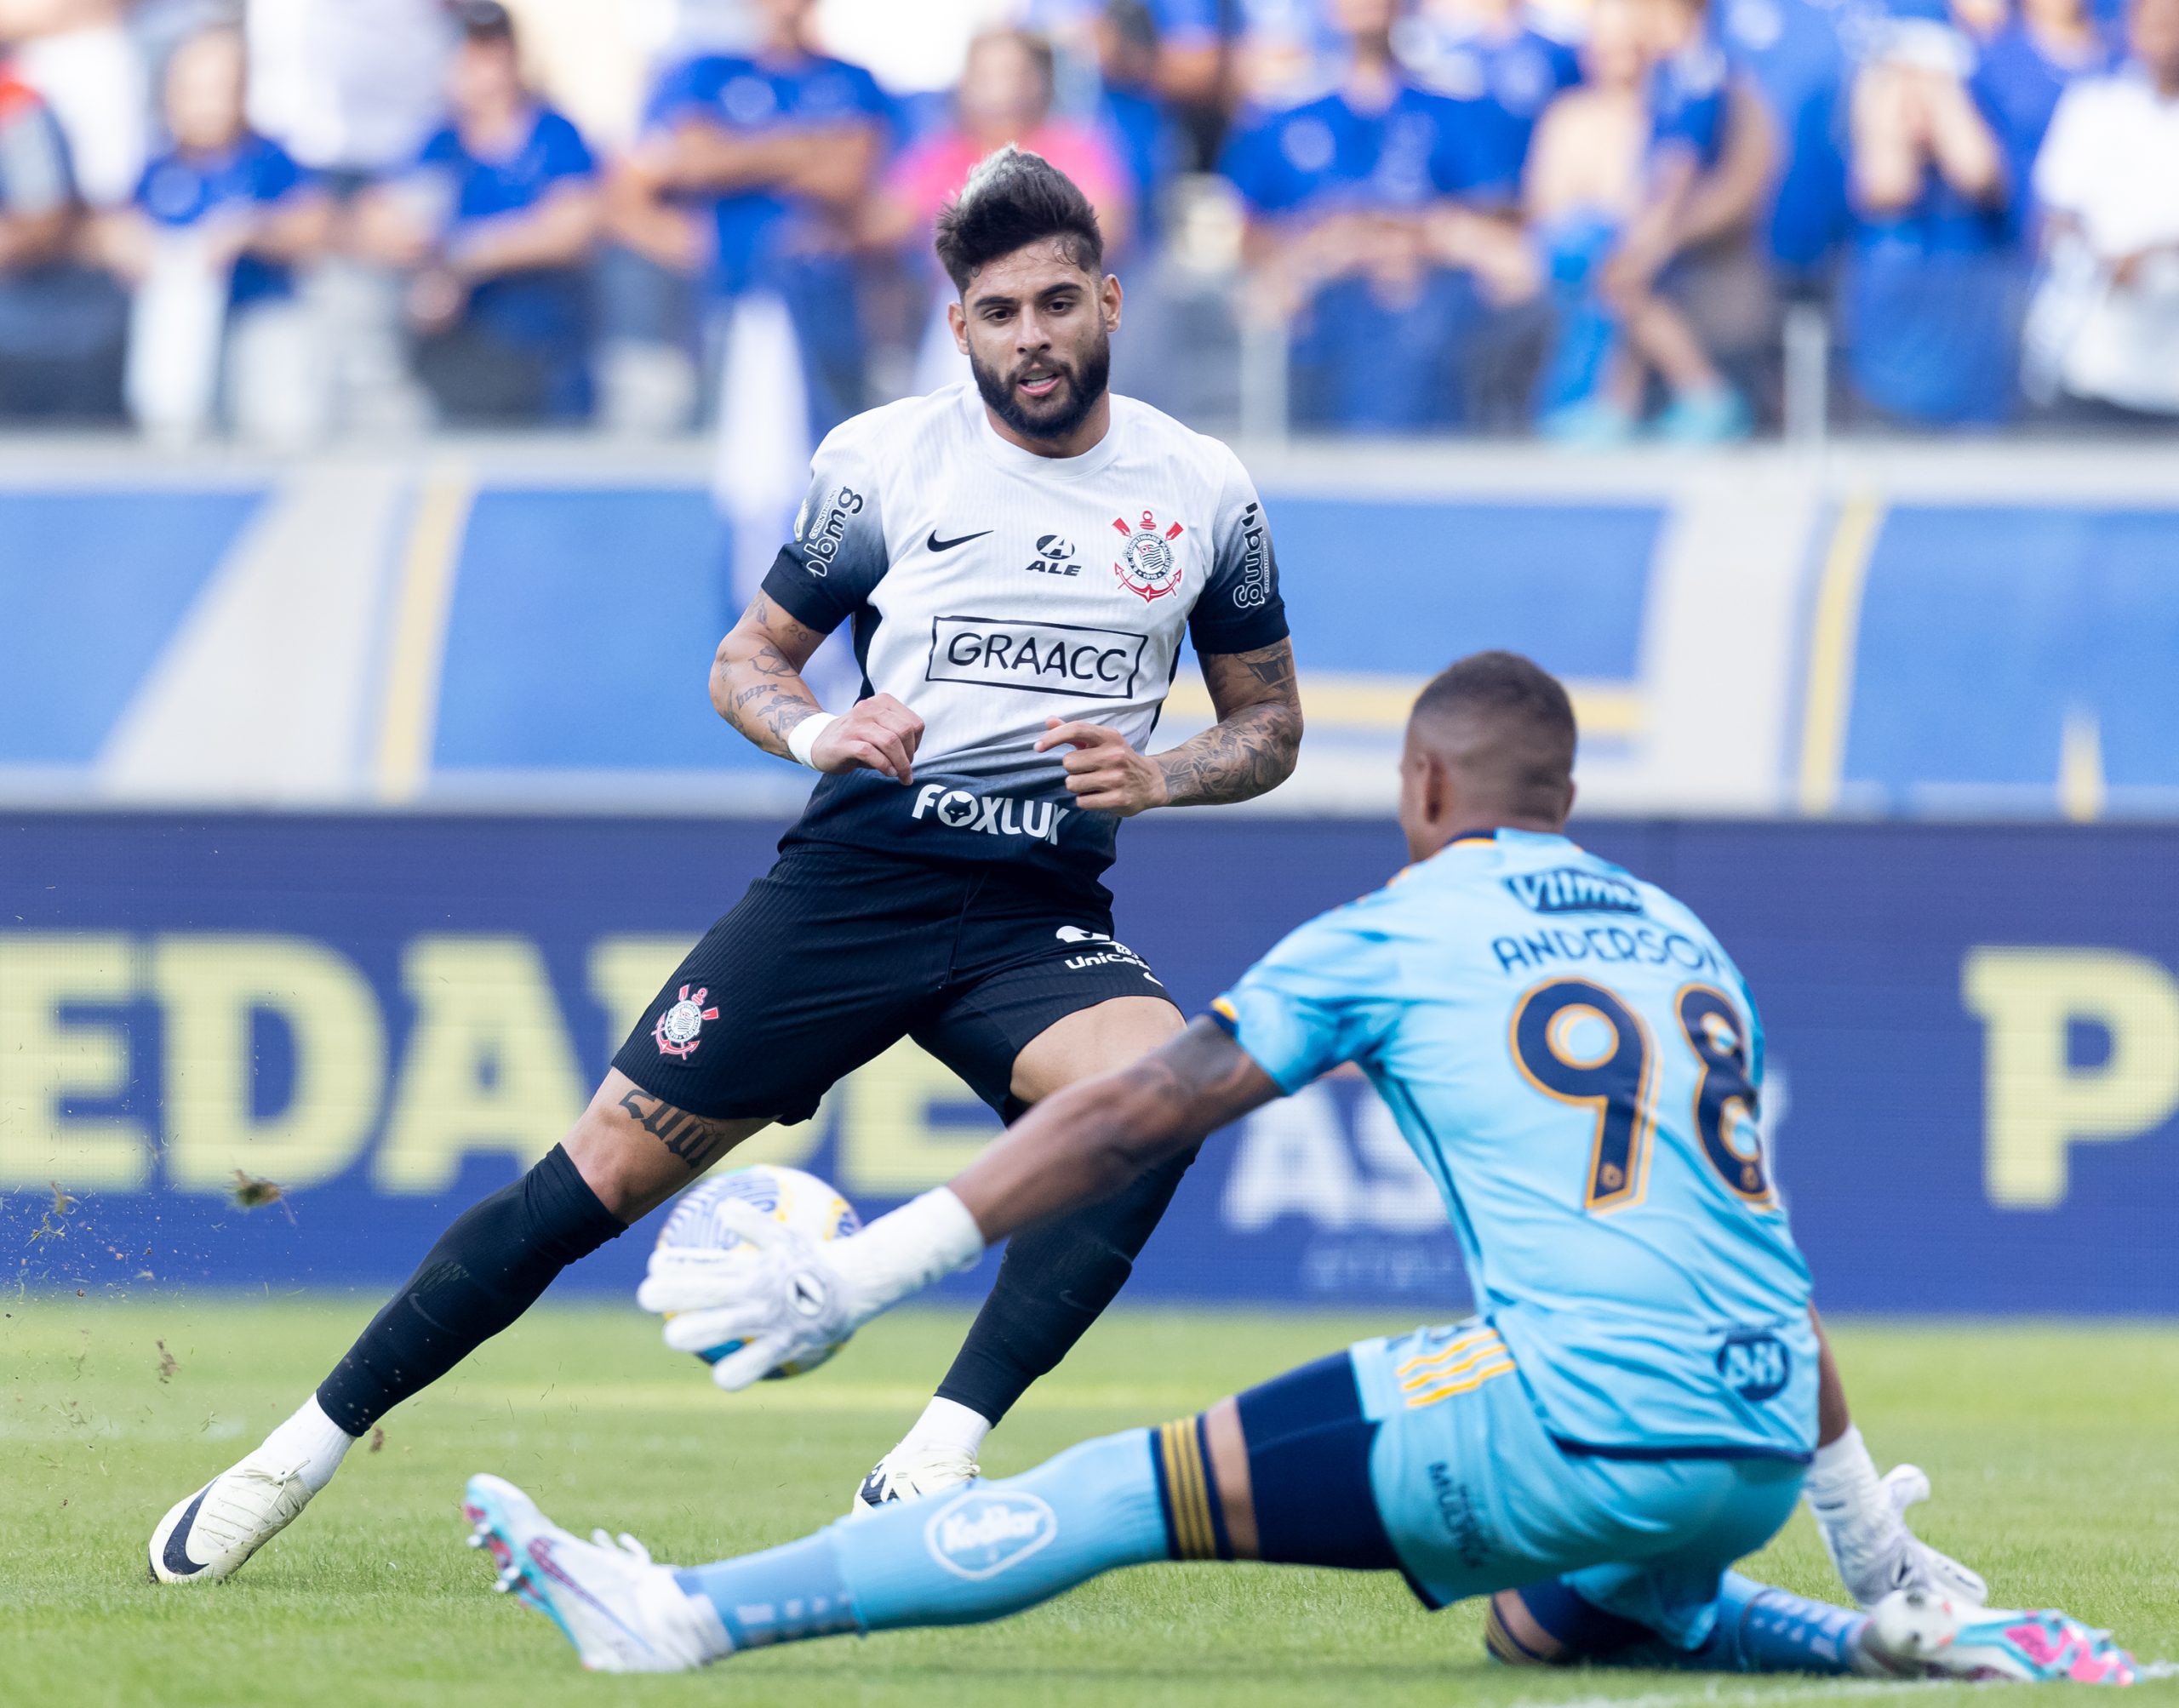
(1758, 1628)
(1281, 1474)
(983, 1552)
(1053, 1281)
(628, 1153)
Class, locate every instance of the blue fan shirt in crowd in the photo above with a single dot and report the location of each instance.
(1577, 1065)
(1143, 135)
(751, 97)
(545, 310)
(1792, 51)
(1931, 300)
(1188, 23)
(1326, 154)
(181, 190)
(2018, 84)
(1359, 361)
(1507, 81)
(1688, 101)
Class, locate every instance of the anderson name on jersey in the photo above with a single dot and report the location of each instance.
(990, 589)
(1578, 1065)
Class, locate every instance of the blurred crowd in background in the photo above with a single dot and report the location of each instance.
(1585, 218)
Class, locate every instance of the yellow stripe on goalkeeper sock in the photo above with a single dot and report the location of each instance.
(1187, 1493)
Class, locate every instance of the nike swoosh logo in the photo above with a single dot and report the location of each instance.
(176, 1556)
(934, 544)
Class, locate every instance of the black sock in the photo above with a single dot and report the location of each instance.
(486, 1270)
(1055, 1281)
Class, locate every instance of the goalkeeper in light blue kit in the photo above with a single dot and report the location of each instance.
(1635, 1407)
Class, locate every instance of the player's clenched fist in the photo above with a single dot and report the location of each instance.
(878, 734)
(1104, 774)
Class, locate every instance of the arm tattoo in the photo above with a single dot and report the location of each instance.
(1252, 747)
(698, 1142)
(761, 692)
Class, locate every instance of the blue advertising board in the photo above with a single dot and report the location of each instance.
(1974, 1035)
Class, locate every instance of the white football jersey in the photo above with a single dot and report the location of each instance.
(990, 589)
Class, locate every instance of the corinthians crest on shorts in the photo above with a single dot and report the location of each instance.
(1148, 567)
(678, 1029)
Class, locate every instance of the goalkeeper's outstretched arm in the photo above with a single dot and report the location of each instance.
(1086, 1142)
(1078, 1146)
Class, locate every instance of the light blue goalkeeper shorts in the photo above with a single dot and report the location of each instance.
(1476, 1497)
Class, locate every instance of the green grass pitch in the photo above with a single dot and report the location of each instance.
(2055, 1450)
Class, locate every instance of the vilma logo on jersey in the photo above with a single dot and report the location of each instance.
(1148, 567)
(678, 1029)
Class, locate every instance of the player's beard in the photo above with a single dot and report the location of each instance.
(1082, 384)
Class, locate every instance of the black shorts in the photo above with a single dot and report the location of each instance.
(836, 955)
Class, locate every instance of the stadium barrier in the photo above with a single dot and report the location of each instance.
(1973, 1045)
(1933, 631)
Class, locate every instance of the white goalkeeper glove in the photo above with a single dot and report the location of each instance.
(1861, 1518)
(788, 1298)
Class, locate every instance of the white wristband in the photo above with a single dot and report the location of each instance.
(1842, 1477)
(804, 736)
(905, 1251)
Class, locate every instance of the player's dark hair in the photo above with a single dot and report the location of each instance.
(1528, 755)
(1011, 199)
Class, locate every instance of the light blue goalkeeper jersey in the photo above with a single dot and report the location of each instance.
(1577, 1064)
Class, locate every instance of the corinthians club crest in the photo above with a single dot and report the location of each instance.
(1148, 567)
(678, 1028)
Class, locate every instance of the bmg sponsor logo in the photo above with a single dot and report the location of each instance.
(1754, 1365)
(981, 1535)
(1041, 657)
(1255, 584)
(1574, 889)
(993, 816)
(822, 544)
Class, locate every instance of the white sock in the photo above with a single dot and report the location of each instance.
(312, 1442)
(947, 1423)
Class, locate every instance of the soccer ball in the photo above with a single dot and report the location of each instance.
(802, 1201)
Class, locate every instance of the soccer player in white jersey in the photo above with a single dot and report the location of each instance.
(1577, 1065)
(1019, 561)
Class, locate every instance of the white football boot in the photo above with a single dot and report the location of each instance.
(912, 1471)
(621, 1612)
(209, 1534)
(1915, 1631)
